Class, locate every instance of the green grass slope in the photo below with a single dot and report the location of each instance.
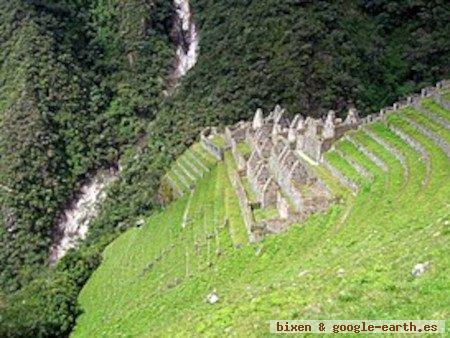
(354, 261)
(184, 173)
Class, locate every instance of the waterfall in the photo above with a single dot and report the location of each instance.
(73, 223)
(187, 39)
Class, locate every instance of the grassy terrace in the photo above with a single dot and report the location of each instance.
(424, 121)
(154, 280)
(219, 141)
(192, 165)
(236, 222)
(346, 169)
(434, 107)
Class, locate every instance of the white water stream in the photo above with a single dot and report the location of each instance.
(73, 223)
(187, 36)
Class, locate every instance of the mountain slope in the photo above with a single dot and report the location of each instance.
(154, 280)
(85, 83)
(66, 108)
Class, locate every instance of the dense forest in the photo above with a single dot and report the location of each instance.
(83, 84)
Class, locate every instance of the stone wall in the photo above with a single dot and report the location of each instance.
(238, 158)
(392, 149)
(341, 178)
(206, 142)
(310, 137)
(243, 202)
(412, 100)
(431, 135)
(283, 152)
(286, 168)
(417, 147)
(378, 161)
(315, 136)
(282, 207)
(238, 131)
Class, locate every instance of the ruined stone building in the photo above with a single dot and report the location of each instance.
(283, 151)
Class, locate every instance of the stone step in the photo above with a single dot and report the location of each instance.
(181, 178)
(359, 168)
(437, 139)
(389, 147)
(175, 178)
(178, 190)
(432, 116)
(345, 181)
(190, 177)
(374, 158)
(189, 165)
(203, 154)
(190, 154)
(417, 146)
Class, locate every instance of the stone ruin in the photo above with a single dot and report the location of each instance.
(277, 175)
(282, 152)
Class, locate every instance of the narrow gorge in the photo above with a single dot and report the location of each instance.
(169, 167)
(72, 224)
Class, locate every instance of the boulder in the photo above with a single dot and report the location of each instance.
(420, 268)
(212, 298)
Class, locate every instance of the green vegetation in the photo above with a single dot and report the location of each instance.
(83, 83)
(346, 169)
(234, 213)
(435, 108)
(67, 107)
(265, 214)
(313, 56)
(360, 252)
(218, 141)
(429, 124)
(244, 149)
(185, 171)
(70, 101)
